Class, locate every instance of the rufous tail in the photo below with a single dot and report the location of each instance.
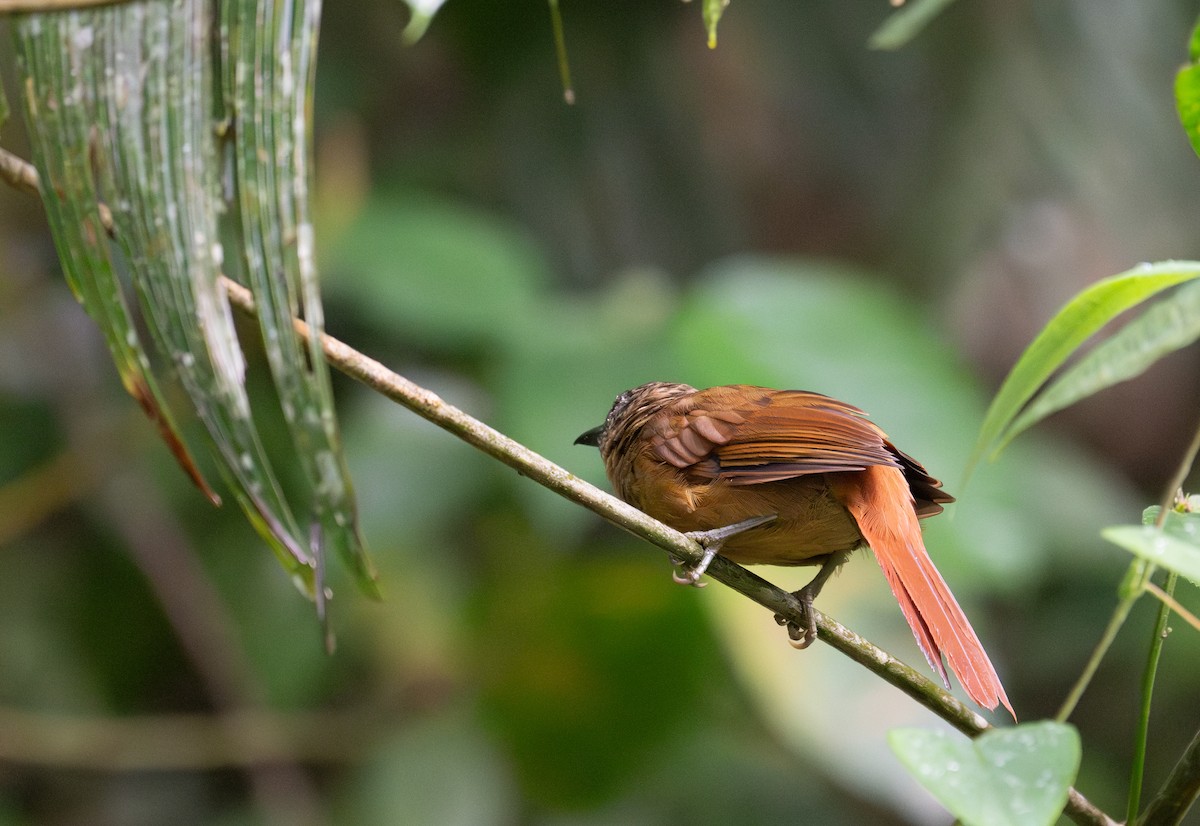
(882, 505)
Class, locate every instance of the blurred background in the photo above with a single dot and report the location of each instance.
(791, 209)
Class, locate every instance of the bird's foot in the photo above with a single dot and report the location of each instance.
(711, 541)
(804, 633)
(801, 634)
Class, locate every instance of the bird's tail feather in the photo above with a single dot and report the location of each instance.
(880, 501)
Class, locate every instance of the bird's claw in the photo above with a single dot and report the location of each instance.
(801, 636)
(685, 574)
(711, 541)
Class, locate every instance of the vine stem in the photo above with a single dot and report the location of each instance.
(1183, 785)
(1137, 770)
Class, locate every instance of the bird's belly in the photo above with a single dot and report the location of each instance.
(810, 523)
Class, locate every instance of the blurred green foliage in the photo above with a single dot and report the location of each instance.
(790, 209)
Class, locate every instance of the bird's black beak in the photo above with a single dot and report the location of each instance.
(590, 437)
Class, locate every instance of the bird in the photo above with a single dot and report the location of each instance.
(792, 477)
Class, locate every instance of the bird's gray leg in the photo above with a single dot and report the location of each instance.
(711, 541)
(803, 637)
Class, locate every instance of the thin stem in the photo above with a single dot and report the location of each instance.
(1182, 787)
(560, 51)
(1137, 770)
(1174, 604)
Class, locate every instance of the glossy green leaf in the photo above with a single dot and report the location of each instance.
(906, 23)
(1169, 325)
(1177, 549)
(1183, 520)
(1187, 91)
(1016, 776)
(269, 95)
(1075, 323)
(1187, 102)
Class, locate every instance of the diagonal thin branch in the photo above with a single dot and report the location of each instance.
(431, 407)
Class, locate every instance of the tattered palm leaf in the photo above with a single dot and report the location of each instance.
(268, 74)
(120, 103)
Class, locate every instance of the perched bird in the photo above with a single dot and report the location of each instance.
(788, 477)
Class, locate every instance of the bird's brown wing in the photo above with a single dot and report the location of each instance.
(749, 435)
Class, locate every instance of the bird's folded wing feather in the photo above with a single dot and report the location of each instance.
(747, 435)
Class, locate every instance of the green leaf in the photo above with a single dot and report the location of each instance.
(906, 23)
(56, 56)
(1187, 102)
(711, 12)
(269, 95)
(120, 100)
(1016, 776)
(1169, 325)
(1176, 549)
(1183, 520)
(1075, 323)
